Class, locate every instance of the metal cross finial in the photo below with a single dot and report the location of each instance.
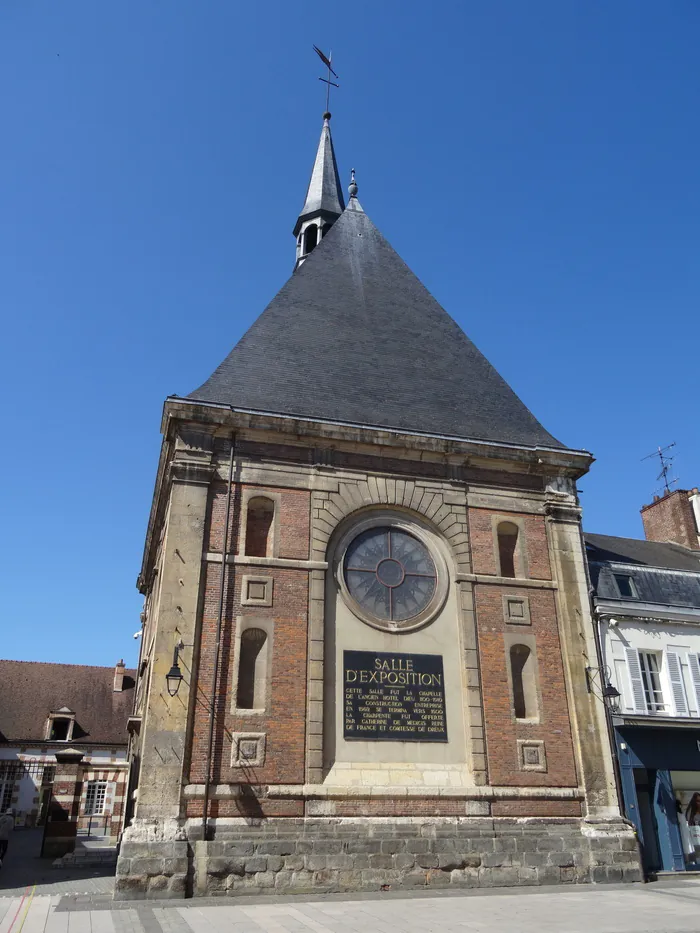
(327, 81)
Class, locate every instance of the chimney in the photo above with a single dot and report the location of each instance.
(673, 517)
(119, 671)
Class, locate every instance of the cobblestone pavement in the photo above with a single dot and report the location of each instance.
(652, 908)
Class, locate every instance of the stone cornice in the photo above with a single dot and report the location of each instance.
(505, 581)
(540, 460)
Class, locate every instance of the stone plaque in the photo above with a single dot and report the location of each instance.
(394, 697)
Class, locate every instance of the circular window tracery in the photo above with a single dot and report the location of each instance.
(390, 574)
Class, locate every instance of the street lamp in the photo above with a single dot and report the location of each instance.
(611, 695)
(174, 676)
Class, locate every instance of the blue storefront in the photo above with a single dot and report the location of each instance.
(660, 778)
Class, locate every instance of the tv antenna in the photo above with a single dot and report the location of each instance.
(666, 462)
(327, 60)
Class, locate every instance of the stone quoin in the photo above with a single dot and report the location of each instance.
(368, 553)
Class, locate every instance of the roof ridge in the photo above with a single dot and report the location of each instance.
(97, 667)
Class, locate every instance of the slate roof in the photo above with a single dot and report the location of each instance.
(355, 337)
(30, 690)
(648, 553)
(325, 193)
(656, 575)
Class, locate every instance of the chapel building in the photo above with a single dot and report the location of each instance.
(367, 625)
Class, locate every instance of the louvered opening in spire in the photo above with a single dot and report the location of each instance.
(324, 198)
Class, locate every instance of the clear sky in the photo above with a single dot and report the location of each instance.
(535, 163)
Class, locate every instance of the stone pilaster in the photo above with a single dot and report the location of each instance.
(166, 719)
(589, 729)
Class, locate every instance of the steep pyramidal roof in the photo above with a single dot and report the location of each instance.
(355, 337)
(325, 194)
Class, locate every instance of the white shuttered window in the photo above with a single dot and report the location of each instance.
(675, 675)
(694, 665)
(638, 702)
(645, 679)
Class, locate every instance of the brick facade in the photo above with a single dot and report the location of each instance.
(671, 518)
(524, 768)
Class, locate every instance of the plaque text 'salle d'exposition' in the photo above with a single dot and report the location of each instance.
(394, 696)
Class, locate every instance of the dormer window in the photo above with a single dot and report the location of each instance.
(625, 586)
(59, 727)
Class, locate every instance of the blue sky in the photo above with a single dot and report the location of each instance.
(534, 163)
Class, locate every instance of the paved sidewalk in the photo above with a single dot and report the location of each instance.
(652, 908)
(23, 867)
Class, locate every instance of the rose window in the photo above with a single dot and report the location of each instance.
(390, 574)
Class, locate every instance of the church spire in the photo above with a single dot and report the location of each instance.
(324, 199)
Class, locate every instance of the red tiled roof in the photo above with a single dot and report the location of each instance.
(30, 690)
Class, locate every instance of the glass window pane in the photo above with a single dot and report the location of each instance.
(390, 574)
(411, 553)
(369, 592)
(411, 597)
(368, 549)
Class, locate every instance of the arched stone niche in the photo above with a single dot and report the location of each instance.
(434, 631)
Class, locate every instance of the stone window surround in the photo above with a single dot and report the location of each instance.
(267, 626)
(521, 638)
(60, 714)
(413, 526)
(264, 602)
(521, 563)
(274, 540)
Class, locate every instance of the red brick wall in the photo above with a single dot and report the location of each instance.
(532, 538)
(671, 519)
(293, 519)
(502, 729)
(284, 720)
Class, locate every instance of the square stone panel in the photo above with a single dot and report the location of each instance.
(248, 749)
(516, 610)
(531, 755)
(256, 591)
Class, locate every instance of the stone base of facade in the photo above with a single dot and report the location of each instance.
(313, 856)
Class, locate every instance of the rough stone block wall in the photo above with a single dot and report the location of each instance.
(324, 856)
(153, 870)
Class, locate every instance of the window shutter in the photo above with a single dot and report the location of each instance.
(675, 675)
(635, 672)
(695, 674)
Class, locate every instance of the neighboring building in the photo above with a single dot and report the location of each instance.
(48, 708)
(674, 517)
(647, 604)
(366, 607)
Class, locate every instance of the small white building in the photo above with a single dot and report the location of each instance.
(45, 708)
(646, 598)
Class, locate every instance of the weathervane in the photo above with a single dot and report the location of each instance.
(666, 462)
(327, 81)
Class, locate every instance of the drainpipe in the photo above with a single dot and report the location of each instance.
(217, 644)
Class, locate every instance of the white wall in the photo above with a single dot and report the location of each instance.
(682, 639)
